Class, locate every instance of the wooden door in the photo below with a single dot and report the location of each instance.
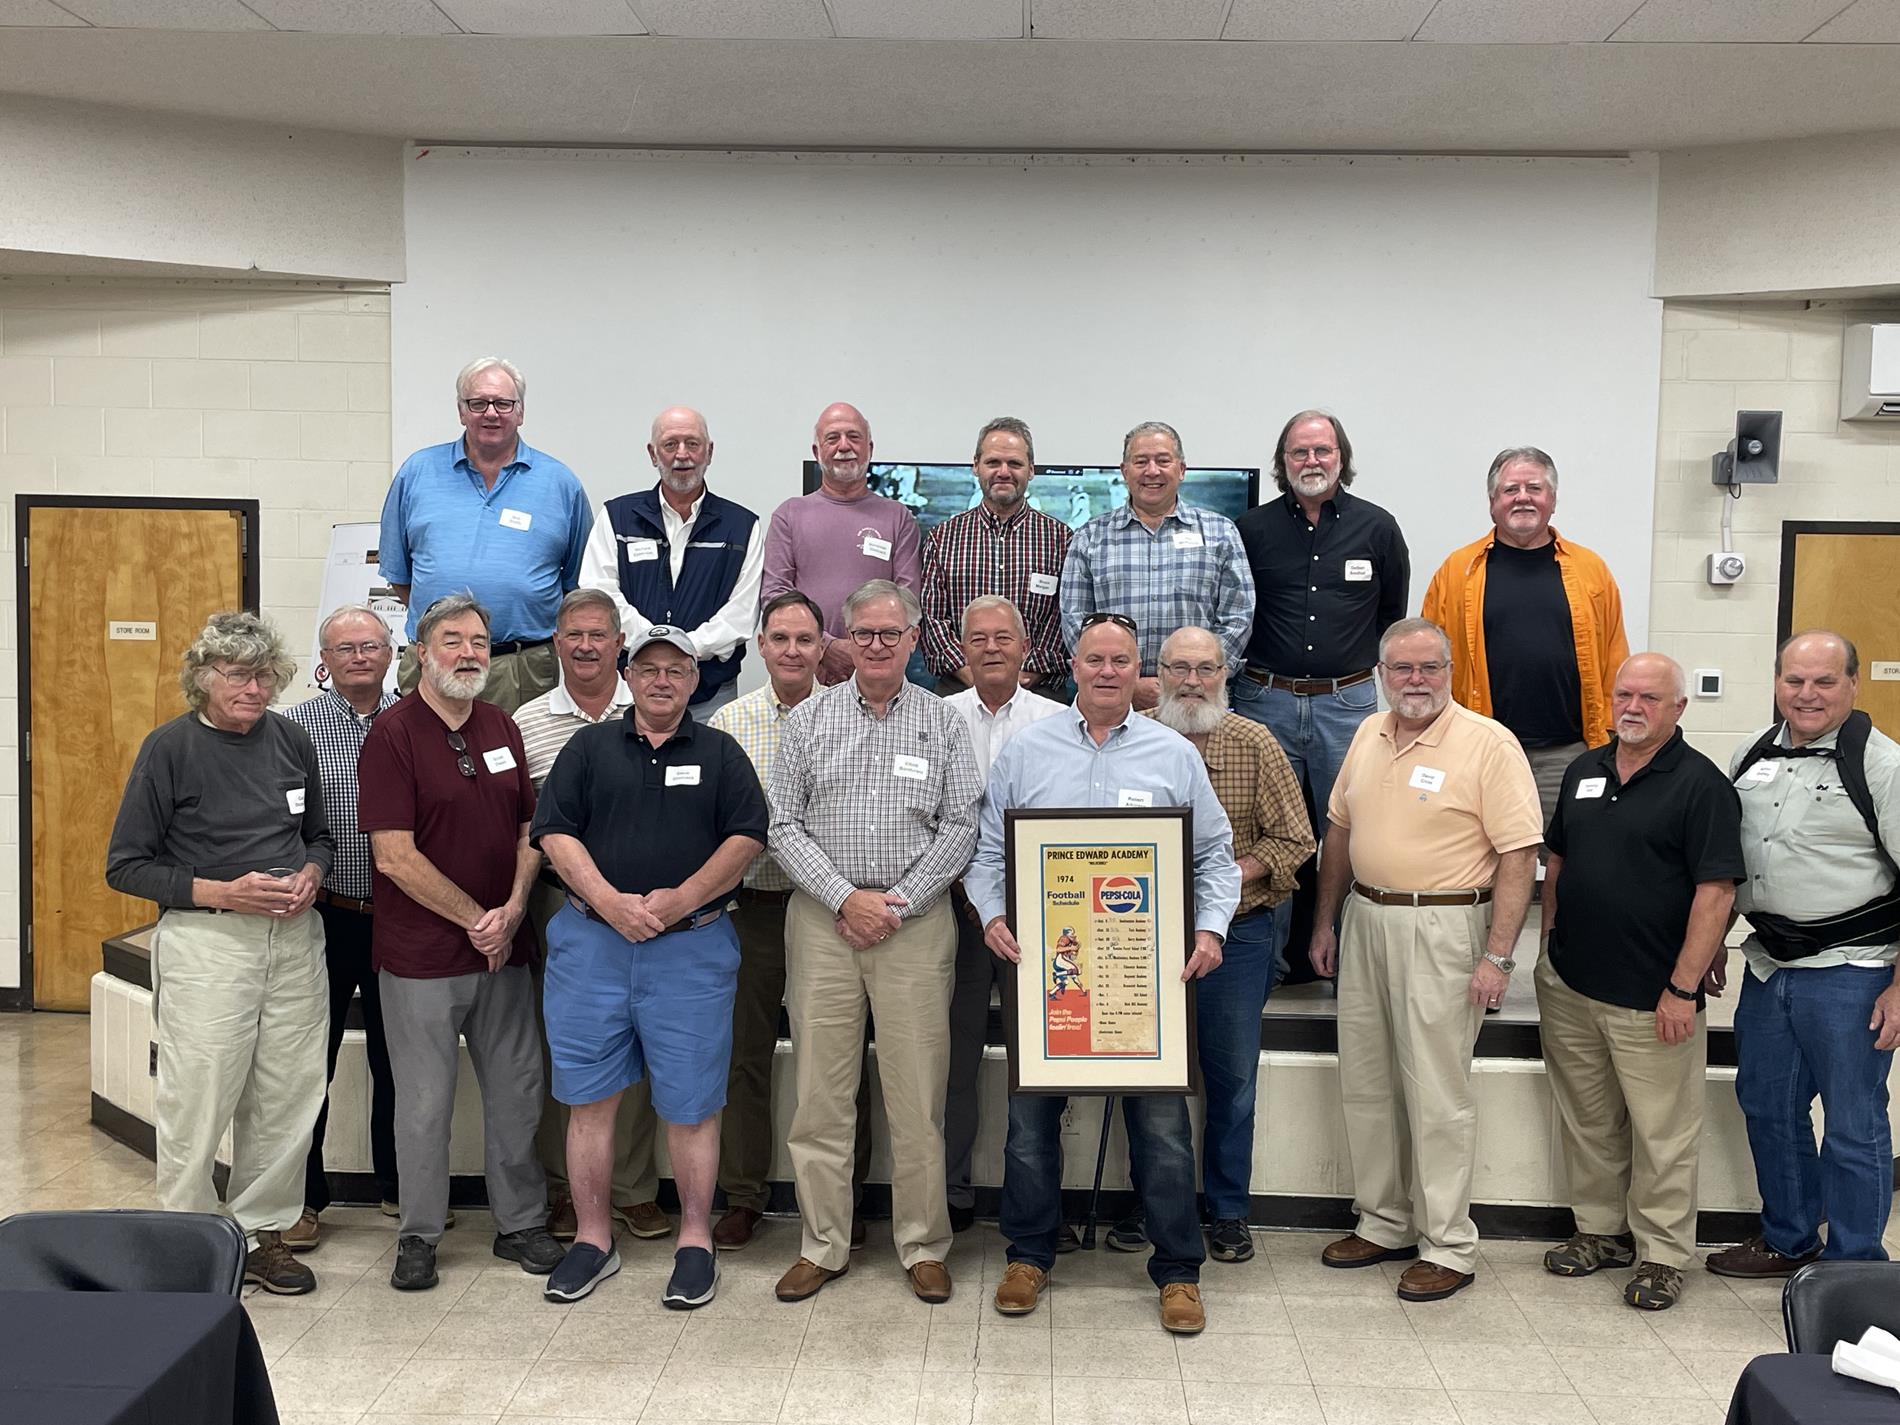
(1846, 577)
(112, 594)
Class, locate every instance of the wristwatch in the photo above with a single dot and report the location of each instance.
(1504, 963)
(1680, 993)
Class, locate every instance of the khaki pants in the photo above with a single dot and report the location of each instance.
(513, 678)
(241, 1008)
(1629, 1117)
(1548, 765)
(635, 1179)
(1406, 1032)
(906, 981)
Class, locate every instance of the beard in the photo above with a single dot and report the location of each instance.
(1191, 717)
(682, 482)
(459, 687)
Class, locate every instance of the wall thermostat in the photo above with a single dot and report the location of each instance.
(1708, 682)
(1726, 567)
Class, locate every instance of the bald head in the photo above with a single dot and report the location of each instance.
(1647, 701)
(1817, 677)
(681, 450)
(841, 444)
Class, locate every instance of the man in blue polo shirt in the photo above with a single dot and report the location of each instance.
(491, 516)
(680, 555)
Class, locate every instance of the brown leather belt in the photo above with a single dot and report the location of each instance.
(1378, 897)
(750, 896)
(1305, 687)
(691, 922)
(346, 902)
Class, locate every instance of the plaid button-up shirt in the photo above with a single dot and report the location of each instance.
(1192, 570)
(338, 730)
(861, 802)
(976, 553)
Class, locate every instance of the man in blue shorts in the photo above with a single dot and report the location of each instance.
(650, 819)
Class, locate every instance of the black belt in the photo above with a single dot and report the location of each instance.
(1379, 897)
(345, 902)
(516, 645)
(1305, 687)
(694, 921)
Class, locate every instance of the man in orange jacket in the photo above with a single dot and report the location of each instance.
(1535, 622)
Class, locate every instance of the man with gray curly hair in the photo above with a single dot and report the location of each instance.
(222, 824)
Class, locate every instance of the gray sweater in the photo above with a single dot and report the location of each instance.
(216, 805)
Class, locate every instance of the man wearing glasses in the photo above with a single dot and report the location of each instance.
(356, 651)
(491, 516)
(874, 799)
(445, 798)
(223, 825)
(1432, 848)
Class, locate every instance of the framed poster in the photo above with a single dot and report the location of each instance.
(1101, 902)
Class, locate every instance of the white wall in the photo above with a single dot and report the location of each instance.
(1444, 307)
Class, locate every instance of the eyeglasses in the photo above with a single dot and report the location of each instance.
(1206, 672)
(889, 637)
(350, 650)
(263, 679)
(1121, 620)
(464, 763)
(475, 405)
(1404, 671)
(1300, 454)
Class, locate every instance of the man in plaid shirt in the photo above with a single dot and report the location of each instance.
(1000, 547)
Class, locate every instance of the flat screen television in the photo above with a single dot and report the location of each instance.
(1073, 494)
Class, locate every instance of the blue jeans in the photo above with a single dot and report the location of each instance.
(1227, 1006)
(1161, 1156)
(1799, 1033)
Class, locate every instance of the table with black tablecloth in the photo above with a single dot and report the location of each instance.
(1804, 1390)
(130, 1358)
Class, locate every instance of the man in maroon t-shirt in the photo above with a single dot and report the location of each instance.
(445, 797)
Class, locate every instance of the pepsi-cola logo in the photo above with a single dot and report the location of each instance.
(1121, 895)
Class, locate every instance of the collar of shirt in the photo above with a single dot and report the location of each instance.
(1433, 734)
(683, 734)
(524, 460)
(1826, 739)
(1563, 551)
(1182, 514)
(864, 703)
(1335, 502)
(1001, 526)
(1668, 757)
(1007, 710)
(671, 518)
(562, 702)
(343, 708)
(1115, 733)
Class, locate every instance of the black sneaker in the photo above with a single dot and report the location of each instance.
(695, 1278)
(962, 1219)
(1230, 1241)
(533, 1247)
(583, 1268)
(415, 1265)
(270, 1265)
(1068, 1240)
(1128, 1235)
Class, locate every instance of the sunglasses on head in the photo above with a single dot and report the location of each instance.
(1121, 620)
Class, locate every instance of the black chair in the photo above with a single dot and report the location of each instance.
(121, 1250)
(1825, 1302)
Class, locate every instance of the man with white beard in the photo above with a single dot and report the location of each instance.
(680, 555)
(1272, 839)
(445, 798)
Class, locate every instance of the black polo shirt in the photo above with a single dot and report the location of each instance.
(650, 816)
(1633, 856)
(1323, 593)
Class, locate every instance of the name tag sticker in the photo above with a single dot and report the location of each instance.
(516, 519)
(1188, 539)
(1042, 583)
(502, 759)
(682, 776)
(1358, 571)
(875, 548)
(642, 549)
(913, 769)
(295, 798)
(1591, 787)
(1131, 797)
(1427, 779)
(1760, 775)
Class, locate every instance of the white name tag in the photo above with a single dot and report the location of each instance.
(682, 776)
(1188, 539)
(1591, 787)
(1130, 797)
(1042, 583)
(295, 798)
(1358, 571)
(913, 769)
(1427, 779)
(1760, 775)
(516, 519)
(502, 759)
(642, 549)
(875, 548)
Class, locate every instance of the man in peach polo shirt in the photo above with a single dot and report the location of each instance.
(1434, 827)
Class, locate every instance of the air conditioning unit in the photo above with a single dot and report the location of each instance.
(1870, 372)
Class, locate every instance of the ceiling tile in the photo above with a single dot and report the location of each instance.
(1732, 22)
(1126, 19)
(543, 17)
(928, 19)
(736, 19)
(356, 17)
(167, 14)
(1524, 22)
(1868, 22)
(35, 12)
(1322, 20)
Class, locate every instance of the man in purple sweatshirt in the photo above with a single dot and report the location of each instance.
(839, 537)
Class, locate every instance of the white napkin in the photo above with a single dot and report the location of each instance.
(1874, 1359)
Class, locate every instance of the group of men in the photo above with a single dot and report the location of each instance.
(606, 895)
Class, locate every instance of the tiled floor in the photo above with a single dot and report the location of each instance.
(1288, 1342)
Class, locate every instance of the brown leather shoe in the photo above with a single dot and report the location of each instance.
(1427, 1281)
(931, 1282)
(303, 1237)
(1020, 1289)
(857, 1233)
(644, 1219)
(562, 1224)
(736, 1229)
(1755, 1259)
(804, 1279)
(1181, 1310)
(1353, 1250)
